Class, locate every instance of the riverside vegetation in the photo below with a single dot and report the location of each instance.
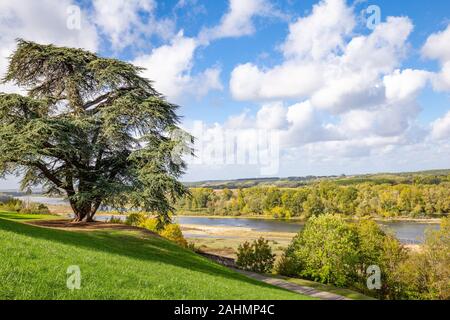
(418, 199)
(329, 250)
(335, 252)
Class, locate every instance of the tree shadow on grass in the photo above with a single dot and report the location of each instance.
(149, 249)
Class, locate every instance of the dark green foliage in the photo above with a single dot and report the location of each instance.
(91, 128)
(256, 257)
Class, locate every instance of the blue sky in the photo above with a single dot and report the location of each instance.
(336, 92)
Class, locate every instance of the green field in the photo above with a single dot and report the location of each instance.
(114, 265)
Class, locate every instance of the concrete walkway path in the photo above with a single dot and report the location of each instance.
(293, 287)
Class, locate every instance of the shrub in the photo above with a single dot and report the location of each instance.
(115, 220)
(426, 274)
(173, 232)
(12, 204)
(381, 249)
(34, 208)
(327, 250)
(256, 257)
(149, 224)
(191, 246)
(136, 218)
(170, 231)
(289, 265)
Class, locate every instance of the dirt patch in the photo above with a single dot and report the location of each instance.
(85, 226)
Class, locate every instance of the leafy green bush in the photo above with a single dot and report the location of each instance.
(11, 204)
(136, 218)
(115, 220)
(381, 249)
(191, 246)
(34, 208)
(173, 233)
(327, 250)
(256, 257)
(289, 265)
(170, 231)
(149, 224)
(426, 274)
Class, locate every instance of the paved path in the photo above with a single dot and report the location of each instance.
(293, 287)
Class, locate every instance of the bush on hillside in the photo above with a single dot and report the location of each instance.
(136, 218)
(150, 224)
(256, 257)
(173, 233)
(170, 231)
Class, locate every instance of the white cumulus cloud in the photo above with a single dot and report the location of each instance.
(437, 47)
(125, 22)
(441, 128)
(170, 66)
(45, 22)
(238, 21)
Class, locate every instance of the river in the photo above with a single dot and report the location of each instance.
(407, 232)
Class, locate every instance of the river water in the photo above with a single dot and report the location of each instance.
(407, 232)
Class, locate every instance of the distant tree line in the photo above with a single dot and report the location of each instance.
(421, 177)
(365, 199)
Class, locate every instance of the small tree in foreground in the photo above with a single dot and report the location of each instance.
(256, 256)
(91, 128)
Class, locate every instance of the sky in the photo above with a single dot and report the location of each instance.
(273, 88)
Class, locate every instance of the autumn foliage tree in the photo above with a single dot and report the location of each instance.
(91, 128)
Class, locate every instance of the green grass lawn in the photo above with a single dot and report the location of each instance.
(114, 265)
(26, 217)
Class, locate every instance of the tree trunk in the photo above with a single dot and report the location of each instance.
(93, 210)
(82, 212)
(85, 211)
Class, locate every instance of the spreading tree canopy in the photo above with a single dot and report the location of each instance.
(91, 128)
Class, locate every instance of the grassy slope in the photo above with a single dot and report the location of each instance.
(26, 217)
(114, 265)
